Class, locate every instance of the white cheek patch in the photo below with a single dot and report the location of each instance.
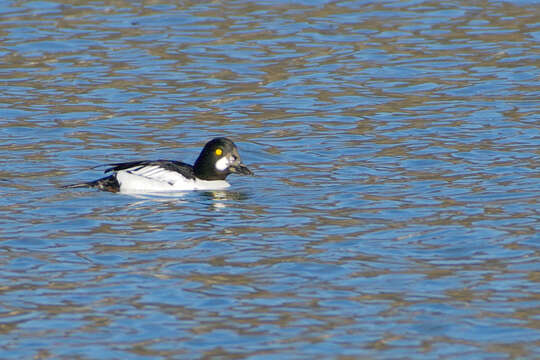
(222, 163)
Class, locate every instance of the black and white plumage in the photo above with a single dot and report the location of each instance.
(217, 160)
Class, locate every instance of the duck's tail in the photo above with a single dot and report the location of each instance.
(108, 183)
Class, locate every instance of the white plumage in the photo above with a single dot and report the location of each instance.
(153, 178)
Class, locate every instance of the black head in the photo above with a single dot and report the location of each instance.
(219, 158)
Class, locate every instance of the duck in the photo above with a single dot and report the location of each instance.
(218, 159)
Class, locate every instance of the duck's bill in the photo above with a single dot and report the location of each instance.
(241, 169)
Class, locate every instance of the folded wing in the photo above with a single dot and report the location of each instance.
(158, 175)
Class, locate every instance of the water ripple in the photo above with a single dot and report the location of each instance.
(394, 211)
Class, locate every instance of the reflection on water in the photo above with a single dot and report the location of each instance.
(394, 211)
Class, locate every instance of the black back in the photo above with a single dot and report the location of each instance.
(185, 169)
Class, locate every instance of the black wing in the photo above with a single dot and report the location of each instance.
(177, 166)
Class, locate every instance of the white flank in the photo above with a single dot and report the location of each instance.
(151, 179)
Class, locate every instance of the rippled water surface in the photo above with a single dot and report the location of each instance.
(394, 212)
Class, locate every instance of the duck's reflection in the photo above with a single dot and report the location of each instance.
(217, 198)
(220, 198)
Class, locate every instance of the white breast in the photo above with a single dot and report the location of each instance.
(153, 178)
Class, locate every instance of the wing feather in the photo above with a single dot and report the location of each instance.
(154, 168)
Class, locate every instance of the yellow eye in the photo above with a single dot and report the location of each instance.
(219, 152)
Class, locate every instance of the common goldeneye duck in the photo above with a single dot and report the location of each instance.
(217, 160)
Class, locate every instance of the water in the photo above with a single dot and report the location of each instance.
(394, 211)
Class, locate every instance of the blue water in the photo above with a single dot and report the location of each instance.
(394, 209)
